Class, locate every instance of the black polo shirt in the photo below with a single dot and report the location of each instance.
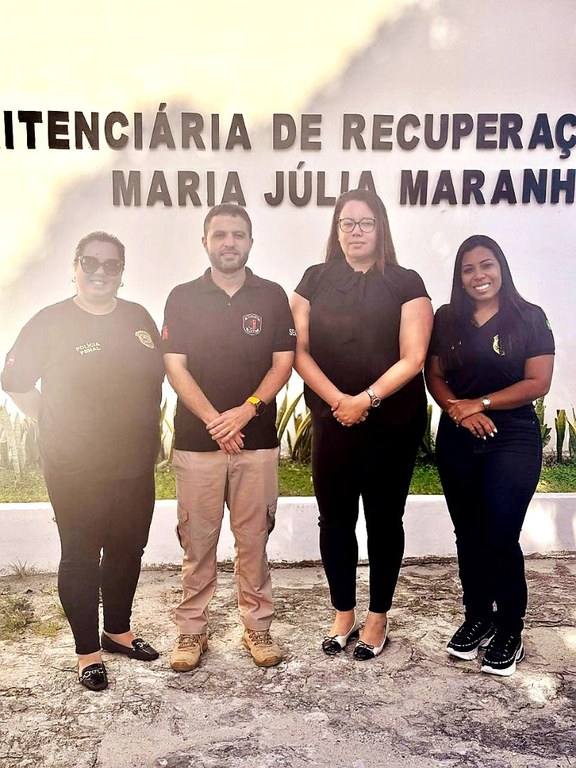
(354, 333)
(228, 342)
(485, 365)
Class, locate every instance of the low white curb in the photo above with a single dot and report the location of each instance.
(29, 533)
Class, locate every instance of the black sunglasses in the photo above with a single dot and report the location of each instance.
(91, 265)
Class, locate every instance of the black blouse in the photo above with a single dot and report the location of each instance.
(354, 332)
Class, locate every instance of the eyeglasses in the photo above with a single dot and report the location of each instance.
(349, 225)
(91, 265)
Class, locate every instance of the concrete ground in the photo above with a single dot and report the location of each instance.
(414, 706)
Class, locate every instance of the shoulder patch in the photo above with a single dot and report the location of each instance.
(145, 338)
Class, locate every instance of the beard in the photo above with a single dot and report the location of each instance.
(228, 262)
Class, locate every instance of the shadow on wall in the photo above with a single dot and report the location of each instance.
(424, 61)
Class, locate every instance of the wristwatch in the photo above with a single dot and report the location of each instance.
(258, 404)
(374, 399)
(486, 402)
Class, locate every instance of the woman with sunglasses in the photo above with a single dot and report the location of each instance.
(491, 356)
(99, 362)
(363, 325)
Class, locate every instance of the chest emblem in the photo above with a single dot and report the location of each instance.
(252, 324)
(145, 338)
(496, 345)
(90, 346)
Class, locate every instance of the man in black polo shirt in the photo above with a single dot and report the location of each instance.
(229, 345)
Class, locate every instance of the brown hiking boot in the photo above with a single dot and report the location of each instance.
(187, 651)
(264, 650)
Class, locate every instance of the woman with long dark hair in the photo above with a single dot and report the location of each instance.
(363, 326)
(490, 357)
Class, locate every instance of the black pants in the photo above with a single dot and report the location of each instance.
(96, 515)
(374, 462)
(488, 485)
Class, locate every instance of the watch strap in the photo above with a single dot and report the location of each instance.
(374, 399)
(258, 404)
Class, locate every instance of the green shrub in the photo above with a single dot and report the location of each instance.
(18, 442)
(545, 430)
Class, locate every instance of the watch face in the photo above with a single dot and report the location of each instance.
(260, 408)
(376, 402)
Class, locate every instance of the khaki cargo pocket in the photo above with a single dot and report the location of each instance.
(271, 516)
(182, 526)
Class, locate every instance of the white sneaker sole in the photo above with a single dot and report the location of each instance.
(469, 655)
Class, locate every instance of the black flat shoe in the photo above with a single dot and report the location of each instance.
(138, 650)
(365, 652)
(94, 677)
(333, 644)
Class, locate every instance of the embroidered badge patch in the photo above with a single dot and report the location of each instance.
(145, 338)
(252, 324)
(496, 345)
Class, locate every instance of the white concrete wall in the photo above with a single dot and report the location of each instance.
(29, 533)
(437, 57)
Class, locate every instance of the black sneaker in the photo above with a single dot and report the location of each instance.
(503, 653)
(473, 634)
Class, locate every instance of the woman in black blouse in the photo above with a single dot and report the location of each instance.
(363, 326)
(490, 357)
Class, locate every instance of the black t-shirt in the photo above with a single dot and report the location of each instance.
(485, 365)
(228, 342)
(354, 332)
(101, 379)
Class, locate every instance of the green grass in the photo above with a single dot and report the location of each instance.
(165, 484)
(30, 487)
(16, 613)
(294, 480)
(425, 480)
(558, 478)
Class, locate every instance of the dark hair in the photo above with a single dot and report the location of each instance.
(227, 209)
(512, 305)
(102, 237)
(385, 253)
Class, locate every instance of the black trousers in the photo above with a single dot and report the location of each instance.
(488, 485)
(95, 515)
(375, 462)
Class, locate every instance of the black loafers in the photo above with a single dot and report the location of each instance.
(94, 677)
(138, 650)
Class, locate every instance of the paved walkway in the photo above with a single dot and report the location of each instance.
(413, 707)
